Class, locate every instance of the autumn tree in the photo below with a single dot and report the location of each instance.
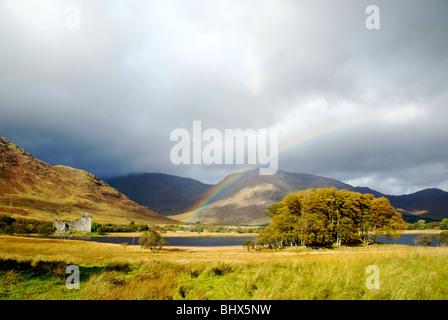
(327, 217)
(381, 218)
(424, 240)
(153, 240)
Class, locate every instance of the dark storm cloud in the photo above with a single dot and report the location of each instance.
(106, 97)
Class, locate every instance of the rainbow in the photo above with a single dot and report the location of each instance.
(219, 189)
(215, 192)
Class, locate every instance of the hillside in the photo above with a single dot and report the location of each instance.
(428, 203)
(247, 195)
(242, 198)
(31, 188)
(165, 194)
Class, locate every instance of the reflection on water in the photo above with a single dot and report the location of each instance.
(177, 241)
(208, 241)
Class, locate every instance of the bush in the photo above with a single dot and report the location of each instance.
(142, 228)
(95, 226)
(444, 224)
(101, 230)
(153, 240)
(424, 240)
(443, 238)
(45, 229)
(248, 244)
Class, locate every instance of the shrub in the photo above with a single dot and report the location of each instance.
(443, 238)
(248, 244)
(424, 240)
(45, 229)
(153, 240)
(101, 230)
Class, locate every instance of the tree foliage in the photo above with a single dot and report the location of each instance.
(153, 240)
(429, 239)
(13, 226)
(248, 244)
(429, 224)
(443, 238)
(424, 240)
(327, 217)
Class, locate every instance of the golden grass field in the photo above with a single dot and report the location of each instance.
(110, 271)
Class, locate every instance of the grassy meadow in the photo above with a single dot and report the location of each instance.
(32, 268)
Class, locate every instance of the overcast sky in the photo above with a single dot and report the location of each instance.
(103, 92)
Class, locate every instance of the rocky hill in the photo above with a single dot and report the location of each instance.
(164, 193)
(242, 198)
(31, 188)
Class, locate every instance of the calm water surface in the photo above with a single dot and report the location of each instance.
(405, 239)
(178, 241)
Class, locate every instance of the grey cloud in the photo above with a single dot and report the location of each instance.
(105, 98)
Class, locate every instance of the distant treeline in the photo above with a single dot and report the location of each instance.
(106, 228)
(433, 225)
(12, 226)
(198, 227)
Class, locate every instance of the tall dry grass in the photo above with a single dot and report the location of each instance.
(107, 272)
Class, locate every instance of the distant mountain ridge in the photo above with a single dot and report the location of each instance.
(427, 203)
(31, 188)
(161, 192)
(244, 202)
(247, 196)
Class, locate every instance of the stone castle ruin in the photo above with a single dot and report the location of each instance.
(83, 224)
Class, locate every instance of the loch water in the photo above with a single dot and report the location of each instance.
(405, 239)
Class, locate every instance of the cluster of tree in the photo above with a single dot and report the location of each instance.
(429, 239)
(131, 227)
(197, 227)
(151, 239)
(12, 226)
(328, 217)
(433, 225)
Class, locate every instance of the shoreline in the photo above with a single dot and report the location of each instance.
(187, 234)
(183, 234)
(421, 231)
